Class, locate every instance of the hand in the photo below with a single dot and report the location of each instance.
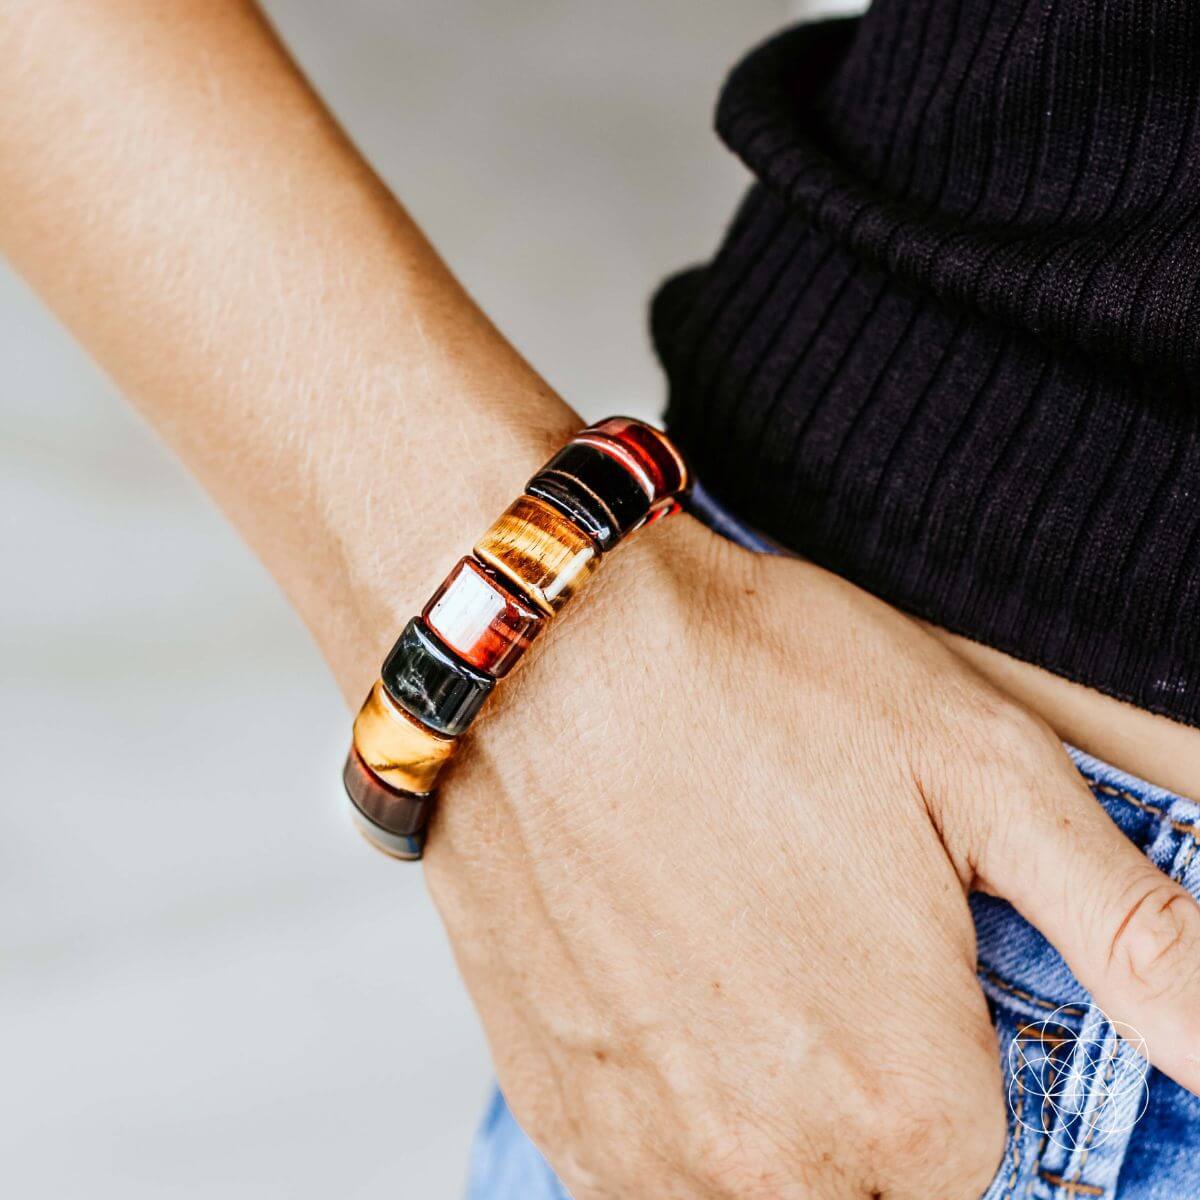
(705, 866)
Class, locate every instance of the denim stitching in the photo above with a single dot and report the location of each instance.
(1078, 1185)
(1018, 1139)
(1072, 1189)
(1189, 827)
(1031, 1030)
(1005, 986)
(1018, 1136)
(1186, 858)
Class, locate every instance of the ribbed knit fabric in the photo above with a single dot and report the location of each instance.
(950, 347)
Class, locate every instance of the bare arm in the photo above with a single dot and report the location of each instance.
(186, 205)
(651, 858)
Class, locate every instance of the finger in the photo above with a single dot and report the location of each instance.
(1130, 934)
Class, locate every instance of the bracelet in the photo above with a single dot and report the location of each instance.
(606, 482)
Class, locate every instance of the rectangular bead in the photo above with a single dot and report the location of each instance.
(481, 620)
(398, 813)
(604, 470)
(579, 504)
(400, 751)
(540, 551)
(431, 683)
(655, 453)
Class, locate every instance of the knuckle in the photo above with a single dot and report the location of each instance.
(582, 1151)
(989, 738)
(992, 744)
(584, 1183)
(1011, 734)
(932, 1145)
(944, 1121)
(588, 1174)
(734, 1158)
(1156, 938)
(1000, 747)
(541, 1131)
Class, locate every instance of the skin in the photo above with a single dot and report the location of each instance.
(705, 863)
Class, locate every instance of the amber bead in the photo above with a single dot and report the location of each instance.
(478, 618)
(393, 821)
(540, 551)
(398, 749)
(662, 463)
(430, 683)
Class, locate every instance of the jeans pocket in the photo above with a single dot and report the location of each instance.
(1018, 1168)
(1075, 1090)
(505, 1164)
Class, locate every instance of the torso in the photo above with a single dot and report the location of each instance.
(945, 350)
(1154, 748)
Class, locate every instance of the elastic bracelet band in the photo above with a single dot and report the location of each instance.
(606, 482)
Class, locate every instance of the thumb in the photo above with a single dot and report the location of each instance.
(1129, 933)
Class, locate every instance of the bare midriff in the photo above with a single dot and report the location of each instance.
(1151, 747)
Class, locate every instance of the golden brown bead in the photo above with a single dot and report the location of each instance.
(403, 753)
(542, 552)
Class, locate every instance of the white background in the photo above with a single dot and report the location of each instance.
(208, 985)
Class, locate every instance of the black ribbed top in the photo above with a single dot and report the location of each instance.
(950, 346)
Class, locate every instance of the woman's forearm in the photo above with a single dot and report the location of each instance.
(682, 869)
(188, 207)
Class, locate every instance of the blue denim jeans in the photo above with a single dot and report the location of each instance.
(1087, 1119)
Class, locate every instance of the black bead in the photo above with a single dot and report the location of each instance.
(578, 505)
(586, 470)
(429, 682)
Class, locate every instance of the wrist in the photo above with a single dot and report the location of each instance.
(377, 540)
(607, 482)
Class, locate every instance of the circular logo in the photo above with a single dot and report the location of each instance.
(1076, 1088)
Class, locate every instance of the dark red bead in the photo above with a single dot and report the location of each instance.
(393, 820)
(654, 453)
(478, 618)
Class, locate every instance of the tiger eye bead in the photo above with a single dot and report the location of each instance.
(431, 684)
(397, 749)
(661, 462)
(582, 507)
(540, 551)
(393, 821)
(481, 620)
